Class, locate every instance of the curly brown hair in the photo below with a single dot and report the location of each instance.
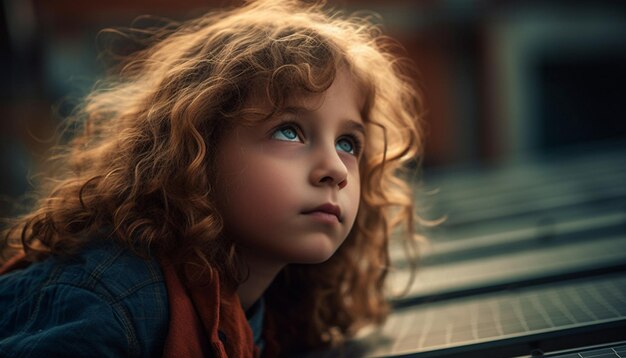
(140, 168)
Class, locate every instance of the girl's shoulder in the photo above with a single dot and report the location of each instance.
(108, 269)
(106, 291)
(111, 269)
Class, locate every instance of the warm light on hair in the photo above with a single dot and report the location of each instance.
(141, 169)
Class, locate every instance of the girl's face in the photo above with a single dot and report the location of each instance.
(288, 188)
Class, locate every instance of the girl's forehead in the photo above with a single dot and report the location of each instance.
(293, 100)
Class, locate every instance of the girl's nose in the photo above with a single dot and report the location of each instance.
(329, 169)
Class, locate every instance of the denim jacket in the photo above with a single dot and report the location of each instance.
(105, 302)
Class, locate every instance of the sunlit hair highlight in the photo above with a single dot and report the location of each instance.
(141, 169)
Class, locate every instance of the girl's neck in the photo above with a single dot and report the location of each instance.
(261, 274)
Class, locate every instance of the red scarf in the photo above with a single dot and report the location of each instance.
(198, 314)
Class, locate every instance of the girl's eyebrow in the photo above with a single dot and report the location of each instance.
(349, 124)
(354, 125)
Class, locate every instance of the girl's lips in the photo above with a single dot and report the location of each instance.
(323, 216)
(326, 211)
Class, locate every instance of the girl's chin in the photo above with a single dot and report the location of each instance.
(314, 254)
(309, 249)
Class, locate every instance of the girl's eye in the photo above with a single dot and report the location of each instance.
(348, 145)
(286, 133)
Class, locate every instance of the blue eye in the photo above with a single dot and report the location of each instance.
(286, 133)
(346, 145)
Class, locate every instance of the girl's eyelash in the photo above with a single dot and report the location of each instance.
(288, 124)
(358, 145)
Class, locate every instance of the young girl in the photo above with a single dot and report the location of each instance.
(232, 192)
